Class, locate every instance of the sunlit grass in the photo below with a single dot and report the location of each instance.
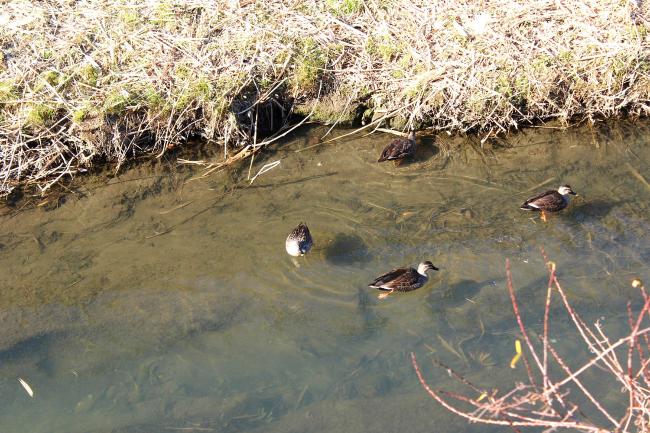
(146, 76)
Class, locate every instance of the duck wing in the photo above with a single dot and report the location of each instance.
(400, 279)
(301, 232)
(397, 149)
(549, 200)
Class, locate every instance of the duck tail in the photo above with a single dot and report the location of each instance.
(526, 206)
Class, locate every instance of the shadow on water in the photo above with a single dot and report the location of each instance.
(347, 249)
(457, 293)
(36, 345)
(426, 149)
(592, 210)
(291, 182)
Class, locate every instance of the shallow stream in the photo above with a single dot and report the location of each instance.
(161, 300)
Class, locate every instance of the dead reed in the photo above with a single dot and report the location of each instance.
(549, 400)
(107, 79)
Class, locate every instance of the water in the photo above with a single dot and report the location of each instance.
(164, 301)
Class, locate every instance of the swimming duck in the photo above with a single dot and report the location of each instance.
(403, 279)
(549, 201)
(299, 241)
(399, 149)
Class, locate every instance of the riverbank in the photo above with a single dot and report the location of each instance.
(106, 81)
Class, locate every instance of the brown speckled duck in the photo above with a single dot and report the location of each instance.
(549, 201)
(403, 279)
(399, 149)
(299, 241)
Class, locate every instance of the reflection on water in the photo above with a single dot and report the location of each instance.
(161, 302)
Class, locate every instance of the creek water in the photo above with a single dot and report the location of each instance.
(163, 300)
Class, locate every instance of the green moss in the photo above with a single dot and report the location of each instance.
(182, 72)
(644, 66)
(220, 107)
(540, 66)
(89, 74)
(620, 65)
(116, 102)
(637, 30)
(39, 115)
(80, 115)
(282, 56)
(7, 91)
(344, 7)
(405, 62)
(385, 48)
(164, 16)
(522, 85)
(154, 99)
(265, 82)
(52, 77)
(203, 88)
(502, 85)
(130, 18)
(309, 66)
(227, 85)
(199, 91)
(566, 57)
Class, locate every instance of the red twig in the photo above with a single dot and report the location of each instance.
(457, 375)
(583, 329)
(591, 398)
(631, 384)
(547, 308)
(515, 307)
(598, 358)
(528, 406)
(528, 422)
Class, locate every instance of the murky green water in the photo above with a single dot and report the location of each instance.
(160, 302)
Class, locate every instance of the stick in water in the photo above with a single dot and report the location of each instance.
(28, 388)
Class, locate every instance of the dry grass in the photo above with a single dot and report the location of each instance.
(558, 396)
(106, 79)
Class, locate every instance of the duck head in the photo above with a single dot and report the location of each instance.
(566, 190)
(425, 266)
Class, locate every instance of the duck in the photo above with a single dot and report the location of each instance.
(299, 241)
(399, 149)
(549, 201)
(403, 279)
